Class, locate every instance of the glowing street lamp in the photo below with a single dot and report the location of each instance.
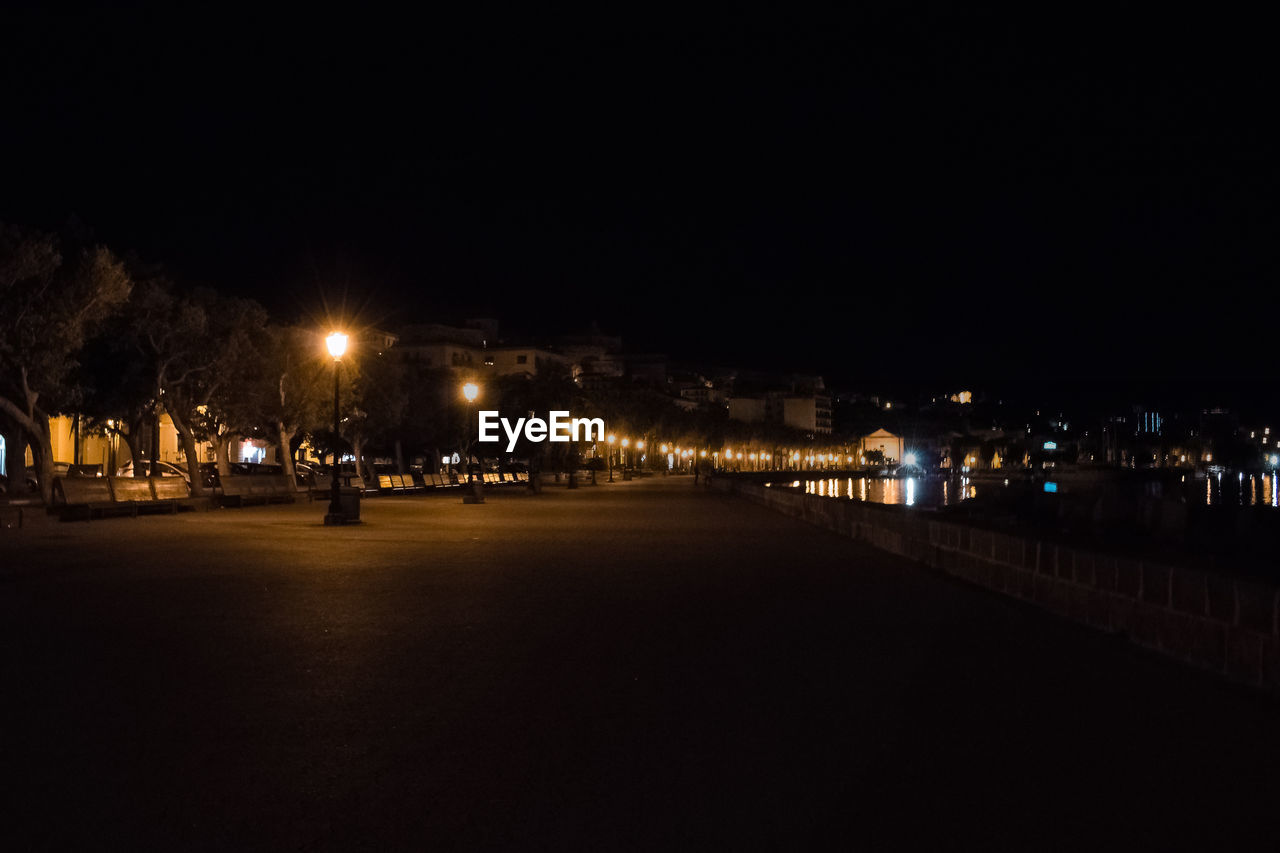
(470, 391)
(336, 343)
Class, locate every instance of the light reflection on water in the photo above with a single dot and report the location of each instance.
(910, 491)
(1236, 489)
(1250, 489)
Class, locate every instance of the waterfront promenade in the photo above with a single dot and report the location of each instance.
(642, 665)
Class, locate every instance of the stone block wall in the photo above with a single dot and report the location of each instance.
(1224, 624)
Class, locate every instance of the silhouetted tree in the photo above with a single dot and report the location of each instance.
(53, 296)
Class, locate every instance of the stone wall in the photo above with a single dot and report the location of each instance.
(1228, 625)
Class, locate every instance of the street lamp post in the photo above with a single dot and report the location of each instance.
(336, 343)
(609, 455)
(471, 391)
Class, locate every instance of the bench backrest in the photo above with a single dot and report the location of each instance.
(274, 484)
(235, 485)
(251, 485)
(385, 482)
(170, 488)
(130, 489)
(81, 490)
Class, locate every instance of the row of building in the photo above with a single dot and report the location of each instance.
(477, 349)
(787, 400)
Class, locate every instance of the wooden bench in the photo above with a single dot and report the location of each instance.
(83, 498)
(135, 489)
(323, 486)
(246, 489)
(173, 489)
(397, 483)
(163, 494)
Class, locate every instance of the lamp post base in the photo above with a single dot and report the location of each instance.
(344, 508)
(336, 519)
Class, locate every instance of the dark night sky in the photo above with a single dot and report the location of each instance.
(905, 195)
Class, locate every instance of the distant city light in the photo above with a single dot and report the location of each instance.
(1051, 487)
(1051, 445)
(909, 458)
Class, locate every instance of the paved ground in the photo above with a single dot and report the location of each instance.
(642, 665)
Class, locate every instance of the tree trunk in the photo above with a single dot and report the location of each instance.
(221, 445)
(399, 458)
(154, 455)
(193, 462)
(134, 442)
(284, 435)
(36, 424)
(357, 450)
(42, 449)
(188, 437)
